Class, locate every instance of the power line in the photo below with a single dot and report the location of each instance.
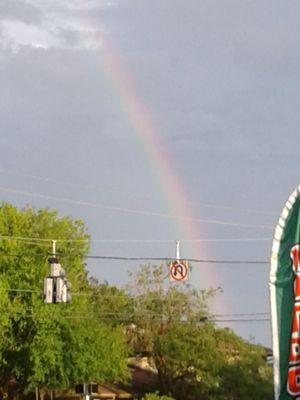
(124, 258)
(132, 195)
(231, 208)
(195, 260)
(146, 316)
(45, 241)
(28, 238)
(136, 314)
(251, 239)
(125, 319)
(133, 299)
(242, 314)
(247, 239)
(133, 211)
(244, 320)
(77, 185)
(23, 290)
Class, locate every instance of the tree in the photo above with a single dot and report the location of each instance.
(244, 371)
(194, 359)
(166, 320)
(109, 304)
(66, 351)
(156, 396)
(53, 345)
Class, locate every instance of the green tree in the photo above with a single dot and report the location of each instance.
(167, 320)
(194, 359)
(156, 396)
(244, 373)
(109, 304)
(51, 345)
(67, 351)
(5, 309)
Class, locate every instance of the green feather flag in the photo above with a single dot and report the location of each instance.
(285, 300)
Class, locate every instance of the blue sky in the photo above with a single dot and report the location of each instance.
(221, 82)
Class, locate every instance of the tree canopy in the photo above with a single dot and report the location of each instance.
(194, 358)
(156, 396)
(57, 345)
(50, 345)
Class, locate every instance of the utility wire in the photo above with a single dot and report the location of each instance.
(91, 318)
(195, 260)
(133, 211)
(231, 208)
(123, 258)
(45, 241)
(77, 185)
(241, 314)
(32, 239)
(23, 290)
(251, 239)
(143, 314)
(134, 300)
(244, 320)
(131, 195)
(126, 318)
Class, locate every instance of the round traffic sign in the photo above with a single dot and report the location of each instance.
(178, 271)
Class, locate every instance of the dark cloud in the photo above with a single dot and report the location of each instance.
(221, 82)
(20, 10)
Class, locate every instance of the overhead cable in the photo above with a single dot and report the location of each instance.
(244, 320)
(135, 299)
(131, 195)
(195, 260)
(125, 319)
(124, 258)
(33, 240)
(133, 211)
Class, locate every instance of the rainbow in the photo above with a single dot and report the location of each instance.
(156, 150)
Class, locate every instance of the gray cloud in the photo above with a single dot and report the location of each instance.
(20, 10)
(220, 81)
(63, 27)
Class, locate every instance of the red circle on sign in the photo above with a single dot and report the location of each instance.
(179, 271)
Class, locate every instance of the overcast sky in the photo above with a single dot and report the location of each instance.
(217, 82)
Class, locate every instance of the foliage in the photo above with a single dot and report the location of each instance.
(77, 352)
(194, 359)
(51, 345)
(157, 307)
(109, 304)
(156, 396)
(244, 372)
(5, 325)
(57, 345)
